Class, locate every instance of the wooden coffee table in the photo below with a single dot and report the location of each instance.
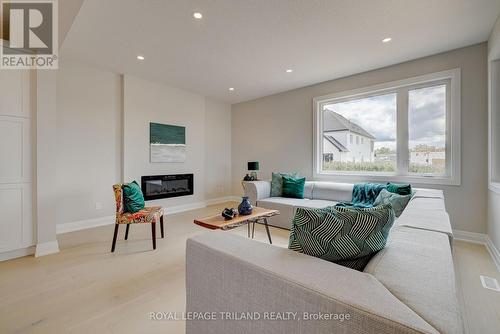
(258, 214)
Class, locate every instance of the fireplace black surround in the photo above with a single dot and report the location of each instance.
(165, 186)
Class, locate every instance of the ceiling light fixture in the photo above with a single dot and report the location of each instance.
(231, 89)
(387, 39)
(140, 57)
(197, 15)
(289, 70)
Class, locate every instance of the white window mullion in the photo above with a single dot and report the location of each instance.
(402, 132)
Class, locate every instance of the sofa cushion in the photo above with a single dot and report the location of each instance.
(428, 203)
(427, 214)
(332, 191)
(287, 206)
(277, 182)
(293, 187)
(308, 189)
(397, 201)
(428, 193)
(417, 267)
(345, 236)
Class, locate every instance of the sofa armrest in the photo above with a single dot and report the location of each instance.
(229, 273)
(256, 190)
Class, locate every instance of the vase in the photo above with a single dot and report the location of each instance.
(245, 208)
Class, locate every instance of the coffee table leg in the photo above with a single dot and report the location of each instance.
(248, 229)
(253, 229)
(267, 230)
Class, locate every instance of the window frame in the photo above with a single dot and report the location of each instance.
(401, 89)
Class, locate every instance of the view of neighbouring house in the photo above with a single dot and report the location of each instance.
(360, 134)
(345, 141)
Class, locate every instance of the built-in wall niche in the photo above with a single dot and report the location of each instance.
(494, 123)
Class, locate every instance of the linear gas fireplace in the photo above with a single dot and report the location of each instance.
(164, 186)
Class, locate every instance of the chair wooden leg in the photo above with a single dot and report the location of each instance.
(126, 232)
(161, 227)
(153, 234)
(114, 238)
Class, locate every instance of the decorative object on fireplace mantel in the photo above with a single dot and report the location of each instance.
(167, 143)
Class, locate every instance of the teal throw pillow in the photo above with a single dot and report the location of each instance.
(133, 200)
(346, 236)
(398, 202)
(277, 183)
(400, 189)
(293, 188)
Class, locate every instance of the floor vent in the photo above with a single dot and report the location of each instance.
(489, 283)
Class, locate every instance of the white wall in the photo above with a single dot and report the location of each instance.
(217, 149)
(89, 125)
(46, 161)
(494, 195)
(277, 130)
(146, 102)
(103, 138)
(208, 135)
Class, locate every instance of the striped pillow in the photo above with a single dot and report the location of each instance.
(343, 235)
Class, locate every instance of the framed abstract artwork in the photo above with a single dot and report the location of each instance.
(167, 143)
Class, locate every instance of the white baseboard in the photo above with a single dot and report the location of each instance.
(47, 248)
(477, 238)
(109, 220)
(17, 253)
(495, 254)
(480, 238)
(84, 224)
(222, 200)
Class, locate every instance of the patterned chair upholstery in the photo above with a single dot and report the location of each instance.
(148, 215)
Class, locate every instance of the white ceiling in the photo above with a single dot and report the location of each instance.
(248, 44)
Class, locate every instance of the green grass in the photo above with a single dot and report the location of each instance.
(377, 166)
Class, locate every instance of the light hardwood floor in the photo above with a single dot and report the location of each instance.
(86, 289)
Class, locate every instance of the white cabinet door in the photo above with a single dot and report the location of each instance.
(16, 150)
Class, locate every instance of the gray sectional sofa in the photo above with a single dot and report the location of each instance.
(408, 287)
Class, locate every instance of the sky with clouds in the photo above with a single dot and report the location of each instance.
(377, 115)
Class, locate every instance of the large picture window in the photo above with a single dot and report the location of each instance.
(406, 130)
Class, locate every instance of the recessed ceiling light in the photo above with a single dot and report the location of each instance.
(231, 89)
(289, 70)
(197, 15)
(386, 40)
(140, 57)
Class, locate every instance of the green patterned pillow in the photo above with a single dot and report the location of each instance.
(398, 202)
(346, 236)
(277, 183)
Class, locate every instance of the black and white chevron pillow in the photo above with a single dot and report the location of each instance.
(346, 236)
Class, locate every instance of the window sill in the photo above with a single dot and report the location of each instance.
(352, 178)
(494, 187)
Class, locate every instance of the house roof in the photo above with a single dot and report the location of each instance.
(336, 122)
(336, 143)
